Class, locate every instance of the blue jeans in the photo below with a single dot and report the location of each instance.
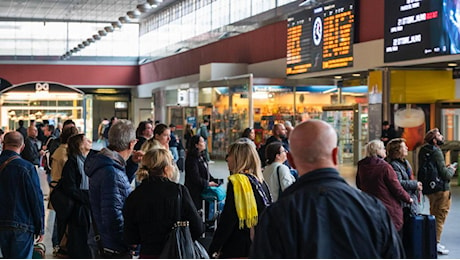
(16, 244)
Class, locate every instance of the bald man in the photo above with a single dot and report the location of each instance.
(21, 201)
(320, 215)
(32, 148)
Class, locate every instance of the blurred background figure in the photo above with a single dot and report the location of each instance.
(174, 143)
(388, 133)
(249, 133)
(188, 133)
(289, 128)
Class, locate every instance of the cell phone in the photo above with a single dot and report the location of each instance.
(454, 164)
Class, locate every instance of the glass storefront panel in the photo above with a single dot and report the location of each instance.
(43, 101)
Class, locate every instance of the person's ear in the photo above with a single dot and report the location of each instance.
(22, 147)
(335, 157)
(132, 144)
(291, 160)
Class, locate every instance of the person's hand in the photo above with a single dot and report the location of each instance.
(411, 201)
(137, 156)
(213, 184)
(42, 152)
(39, 238)
(419, 186)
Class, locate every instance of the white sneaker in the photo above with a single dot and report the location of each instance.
(442, 249)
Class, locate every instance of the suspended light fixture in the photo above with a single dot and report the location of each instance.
(86, 43)
(96, 37)
(134, 14)
(108, 29)
(117, 24)
(90, 40)
(76, 49)
(124, 19)
(143, 8)
(81, 46)
(154, 3)
(102, 33)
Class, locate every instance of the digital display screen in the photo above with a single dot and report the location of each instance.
(321, 38)
(416, 29)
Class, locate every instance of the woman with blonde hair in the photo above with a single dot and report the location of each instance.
(149, 211)
(153, 143)
(247, 196)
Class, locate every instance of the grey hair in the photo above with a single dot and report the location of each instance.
(121, 134)
(373, 147)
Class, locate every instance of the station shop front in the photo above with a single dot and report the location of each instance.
(233, 105)
(44, 101)
(56, 103)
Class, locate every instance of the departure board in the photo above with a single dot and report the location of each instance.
(321, 38)
(416, 29)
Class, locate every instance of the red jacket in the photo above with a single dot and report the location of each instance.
(376, 177)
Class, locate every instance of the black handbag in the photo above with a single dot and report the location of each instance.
(62, 204)
(179, 243)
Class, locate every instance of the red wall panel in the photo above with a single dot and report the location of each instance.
(264, 44)
(371, 17)
(71, 74)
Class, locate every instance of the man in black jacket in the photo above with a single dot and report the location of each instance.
(32, 147)
(321, 216)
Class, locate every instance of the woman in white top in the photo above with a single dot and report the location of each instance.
(276, 174)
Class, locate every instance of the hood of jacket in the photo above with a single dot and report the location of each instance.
(371, 161)
(105, 158)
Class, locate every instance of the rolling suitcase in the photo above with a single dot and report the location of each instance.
(429, 237)
(419, 237)
(413, 237)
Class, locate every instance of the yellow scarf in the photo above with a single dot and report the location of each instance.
(245, 201)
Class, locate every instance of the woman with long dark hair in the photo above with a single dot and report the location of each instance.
(75, 184)
(197, 175)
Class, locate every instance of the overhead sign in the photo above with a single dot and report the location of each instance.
(321, 38)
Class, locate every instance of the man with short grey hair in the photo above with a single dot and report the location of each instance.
(110, 173)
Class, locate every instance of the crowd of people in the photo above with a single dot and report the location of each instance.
(284, 199)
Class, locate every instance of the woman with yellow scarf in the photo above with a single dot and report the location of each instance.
(247, 196)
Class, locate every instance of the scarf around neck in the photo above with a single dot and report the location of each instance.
(245, 201)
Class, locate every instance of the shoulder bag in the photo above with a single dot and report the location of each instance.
(179, 243)
(62, 204)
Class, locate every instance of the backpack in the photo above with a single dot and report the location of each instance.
(428, 175)
(51, 146)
